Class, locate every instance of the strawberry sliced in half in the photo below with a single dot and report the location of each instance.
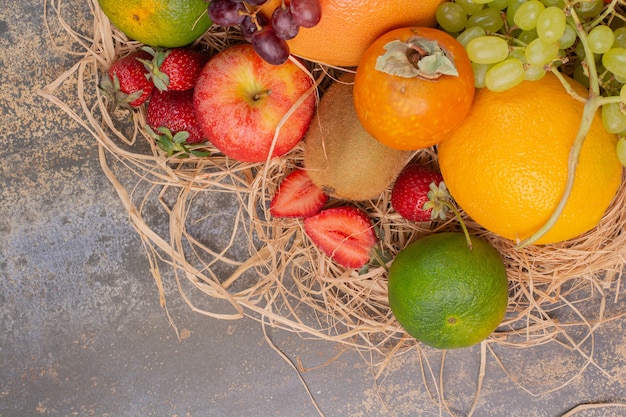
(343, 233)
(297, 196)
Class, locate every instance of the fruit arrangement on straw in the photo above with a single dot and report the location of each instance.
(354, 177)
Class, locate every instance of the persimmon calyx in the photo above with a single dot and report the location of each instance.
(417, 57)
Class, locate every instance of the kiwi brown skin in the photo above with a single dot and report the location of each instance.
(341, 157)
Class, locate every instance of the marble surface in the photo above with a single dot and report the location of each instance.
(83, 333)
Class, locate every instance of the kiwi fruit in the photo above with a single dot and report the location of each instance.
(340, 156)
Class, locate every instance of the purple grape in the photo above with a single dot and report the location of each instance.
(270, 47)
(226, 12)
(249, 26)
(284, 24)
(307, 13)
(256, 2)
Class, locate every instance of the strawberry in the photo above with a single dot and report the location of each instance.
(127, 84)
(343, 233)
(297, 196)
(410, 192)
(174, 111)
(174, 69)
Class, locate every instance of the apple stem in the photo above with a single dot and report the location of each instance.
(258, 96)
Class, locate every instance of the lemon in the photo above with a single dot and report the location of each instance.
(445, 294)
(164, 23)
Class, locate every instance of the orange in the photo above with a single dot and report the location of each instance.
(507, 164)
(165, 23)
(446, 295)
(348, 27)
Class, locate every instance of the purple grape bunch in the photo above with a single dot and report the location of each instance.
(268, 36)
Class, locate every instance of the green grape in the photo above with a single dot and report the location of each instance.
(580, 76)
(470, 6)
(588, 8)
(621, 151)
(620, 37)
(613, 118)
(600, 39)
(568, 38)
(622, 94)
(526, 15)
(504, 75)
(551, 24)
(451, 17)
(558, 3)
(580, 53)
(470, 33)
(539, 52)
(482, 1)
(510, 11)
(614, 60)
(527, 36)
(518, 53)
(561, 55)
(479, 73)
(533, 72)
(489, 19)
(487, 50)
(498, 4)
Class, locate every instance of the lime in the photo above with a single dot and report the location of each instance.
(169, 24)
(445, 294)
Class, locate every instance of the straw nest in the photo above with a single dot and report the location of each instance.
(277, 275)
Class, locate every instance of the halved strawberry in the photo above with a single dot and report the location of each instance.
(297, 196)
(343, 233)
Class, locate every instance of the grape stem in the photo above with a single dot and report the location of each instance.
(592, 103)
(604, 15)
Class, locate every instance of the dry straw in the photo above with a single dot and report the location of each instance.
(558, 293)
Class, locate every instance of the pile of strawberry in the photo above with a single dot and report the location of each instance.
(163, 80)
(345, 233)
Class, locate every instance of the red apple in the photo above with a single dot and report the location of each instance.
(240, 100)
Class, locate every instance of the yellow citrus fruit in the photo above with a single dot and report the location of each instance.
(507, 164)
(348, 27)
(445, 294)
(165, 23)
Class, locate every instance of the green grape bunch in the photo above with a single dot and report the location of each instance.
(509, 41)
